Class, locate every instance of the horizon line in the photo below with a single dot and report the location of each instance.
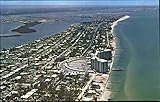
(83, 2)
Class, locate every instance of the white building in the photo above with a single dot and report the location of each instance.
(99, 60)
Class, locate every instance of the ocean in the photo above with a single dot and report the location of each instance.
(138, 52)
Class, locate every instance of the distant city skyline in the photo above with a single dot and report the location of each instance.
(80, 2)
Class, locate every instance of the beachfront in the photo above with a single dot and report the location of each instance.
(107, 93)
(38, 63)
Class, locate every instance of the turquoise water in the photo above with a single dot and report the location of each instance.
(139, 54)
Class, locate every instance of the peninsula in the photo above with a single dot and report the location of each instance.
(68, 66)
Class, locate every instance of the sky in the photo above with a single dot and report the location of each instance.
(79, 2)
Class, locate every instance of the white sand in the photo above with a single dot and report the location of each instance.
(106, 94)
(121, 19)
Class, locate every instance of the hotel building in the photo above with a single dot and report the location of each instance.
(100, 60)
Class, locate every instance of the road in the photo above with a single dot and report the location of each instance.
(86, 87)
(93, 38)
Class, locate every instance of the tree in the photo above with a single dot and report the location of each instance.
(61, 58)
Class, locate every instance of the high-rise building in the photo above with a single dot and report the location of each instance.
(99, 60)
(106, 54)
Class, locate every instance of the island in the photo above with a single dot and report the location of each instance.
(73, 65)
(26, 27)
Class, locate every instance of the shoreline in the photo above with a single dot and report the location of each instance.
(26, 28)
(9, 35)
(107, 93)
(119, 20)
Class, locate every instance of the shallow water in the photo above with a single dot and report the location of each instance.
(138, 40)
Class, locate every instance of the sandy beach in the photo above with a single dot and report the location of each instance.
(106, 94)
(121, 19)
